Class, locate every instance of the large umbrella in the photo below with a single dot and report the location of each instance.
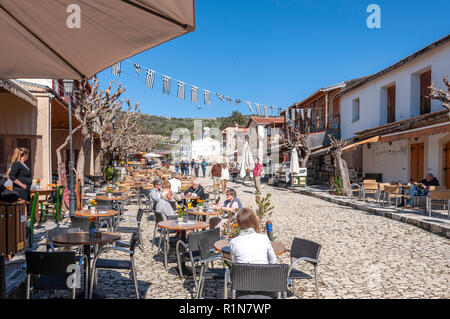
(294, 168)
(41, 39)
(247, 161)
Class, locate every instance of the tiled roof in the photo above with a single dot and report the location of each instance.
(266, 120)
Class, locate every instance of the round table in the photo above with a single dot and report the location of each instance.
(113, 198)
(109, 214)
(82, 238)
(189, 225)
(224, 247)
(207, 214)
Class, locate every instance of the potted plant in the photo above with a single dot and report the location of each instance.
(38, 183)
(181, 214)
(109, 191)
(230, 228)
(264, 208)
(93, 204)
(92, 226)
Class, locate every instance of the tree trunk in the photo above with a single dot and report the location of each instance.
(342, 168)
(59, 149)
(82, 155)
(99, 162)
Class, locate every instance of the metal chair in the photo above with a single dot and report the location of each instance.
(256, 279)
(440, 196)
(164, 236)
(303, 250)
(392, 191)
(133, 229)
(54, 270)
(192, 250)
(116, 263)
(370, 187)
(205, 246)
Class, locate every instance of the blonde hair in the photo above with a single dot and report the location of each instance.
(18, 153)
(246, 218)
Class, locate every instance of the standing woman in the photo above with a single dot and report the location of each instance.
(20, 174)
(224, 177)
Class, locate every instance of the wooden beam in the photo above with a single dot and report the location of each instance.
(418, 133)
(327, 109)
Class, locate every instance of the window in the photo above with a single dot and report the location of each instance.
(355, 110)
(425, 83)
(391, 104)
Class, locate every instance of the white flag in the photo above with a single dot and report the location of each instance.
(206, 97)
(166, 84)
(194, 94)
(116, 69)
(181, 90)
(150, 79)
(258, 109)
(250, 106)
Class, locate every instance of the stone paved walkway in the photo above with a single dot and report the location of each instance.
(363, 255)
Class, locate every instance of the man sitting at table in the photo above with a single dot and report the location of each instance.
(155, 193)
(421, 190)
(195, 190)
(164, 207)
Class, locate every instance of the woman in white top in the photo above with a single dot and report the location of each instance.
(251, 247)
(224, 177)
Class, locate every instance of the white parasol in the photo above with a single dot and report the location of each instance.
(294, 168)
(247, 161)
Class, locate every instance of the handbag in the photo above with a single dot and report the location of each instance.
(7, 195)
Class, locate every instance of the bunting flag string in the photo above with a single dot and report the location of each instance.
(116, 69)
(166, 84)
(194, 94)
(181, 90)
(150, 78)
(221, 97)
(250, 106)
(206, 97)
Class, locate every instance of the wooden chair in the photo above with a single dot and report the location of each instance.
(440, 196)
(392, 191)
(370, 187)
(52, 208)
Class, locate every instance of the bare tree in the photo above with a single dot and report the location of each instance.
(441, 95)
(295, 139)
(341, 165)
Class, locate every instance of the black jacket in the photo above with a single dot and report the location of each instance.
(23, 174)
(199, 191)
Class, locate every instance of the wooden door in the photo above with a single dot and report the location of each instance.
(417, 161)
(425, 82)
(391, 104)
(447, 165)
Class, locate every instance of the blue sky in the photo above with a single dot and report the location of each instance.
(277, 52)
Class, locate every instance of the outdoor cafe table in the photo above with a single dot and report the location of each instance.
(224, 247)
(200, 212)
(83, 238)
(101, 214)
(183, 227)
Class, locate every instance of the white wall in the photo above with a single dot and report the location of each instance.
(407, 92)
(389, 160)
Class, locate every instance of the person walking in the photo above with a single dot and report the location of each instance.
(204, 165)
(196, 168)
(216, 172)
(225, 176)
(183, 168)
(257, 170)
(192, 166)
(186, 167)
(177, 167)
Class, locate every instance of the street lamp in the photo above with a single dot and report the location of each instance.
(68, 88)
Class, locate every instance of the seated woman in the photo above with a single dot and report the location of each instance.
(232, 204)
(250, 246)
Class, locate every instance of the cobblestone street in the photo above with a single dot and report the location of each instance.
(362, 256)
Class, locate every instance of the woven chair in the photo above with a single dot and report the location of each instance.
(256, 279)
(303, 250)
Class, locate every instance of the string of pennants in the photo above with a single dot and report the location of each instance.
(150, 76)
